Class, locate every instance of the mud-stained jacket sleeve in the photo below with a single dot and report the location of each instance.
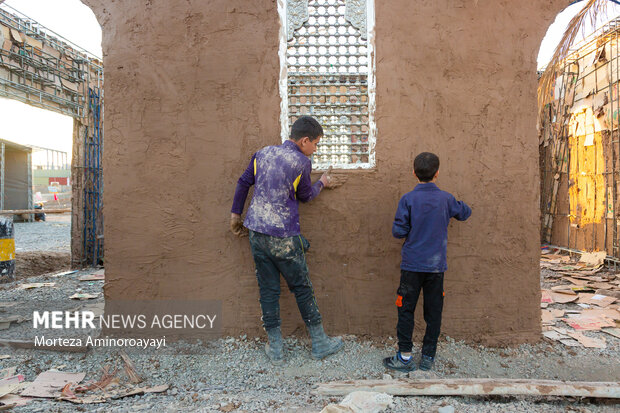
(305, 190)
(243, 187)
(459, 209)
(402, 221)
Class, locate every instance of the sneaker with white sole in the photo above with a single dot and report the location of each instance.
(398, 363)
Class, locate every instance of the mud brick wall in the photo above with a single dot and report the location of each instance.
(191, 91)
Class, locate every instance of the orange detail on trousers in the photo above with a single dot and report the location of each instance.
(399, 301)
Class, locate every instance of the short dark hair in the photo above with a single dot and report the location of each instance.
(425, 166)
(306, 126)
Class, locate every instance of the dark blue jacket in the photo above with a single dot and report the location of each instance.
(422, 218)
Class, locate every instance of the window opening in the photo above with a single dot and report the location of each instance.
(327, 56)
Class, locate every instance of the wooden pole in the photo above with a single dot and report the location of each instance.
(473, 387)
(34, 211)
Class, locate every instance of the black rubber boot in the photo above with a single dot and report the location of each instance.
(322, 344)
(275, 347)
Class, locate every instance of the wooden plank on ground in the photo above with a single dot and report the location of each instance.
(473, 387)
(33, 211)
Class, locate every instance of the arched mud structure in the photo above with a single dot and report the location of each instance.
(192, 90)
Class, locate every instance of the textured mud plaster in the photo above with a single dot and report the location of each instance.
(192, 92)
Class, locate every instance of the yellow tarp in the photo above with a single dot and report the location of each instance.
(587, 167)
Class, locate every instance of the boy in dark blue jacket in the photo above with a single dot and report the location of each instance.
(422, 218)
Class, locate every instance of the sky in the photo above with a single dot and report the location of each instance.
(557, 28)
(73, 20)
(25, 124)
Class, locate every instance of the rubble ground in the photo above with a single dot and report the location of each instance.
(53, 234)
(233, 373)
(43, 246)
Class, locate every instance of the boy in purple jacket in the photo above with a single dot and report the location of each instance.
(281, 178)
(422, 218)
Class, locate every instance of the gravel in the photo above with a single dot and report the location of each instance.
(43, 246)
(53, 234)
(233, 373)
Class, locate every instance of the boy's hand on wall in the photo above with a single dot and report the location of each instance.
(236, 226)
(326, 177)
(330, 181)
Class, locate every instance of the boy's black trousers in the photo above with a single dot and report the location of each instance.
(287, 256)
(411, 283)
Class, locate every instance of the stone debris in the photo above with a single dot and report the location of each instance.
(361, 402)
(232, 373)
(578, 297)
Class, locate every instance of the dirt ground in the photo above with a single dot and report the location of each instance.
(233, 373)
(32, 263)
(43, 247)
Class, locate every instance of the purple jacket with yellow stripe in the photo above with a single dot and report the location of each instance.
(281, 178)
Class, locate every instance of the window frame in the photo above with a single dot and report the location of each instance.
(283, 86)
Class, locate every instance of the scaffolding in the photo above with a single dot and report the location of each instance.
(93, 183)
(579, 148)
(42, 69)
(54, 159)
